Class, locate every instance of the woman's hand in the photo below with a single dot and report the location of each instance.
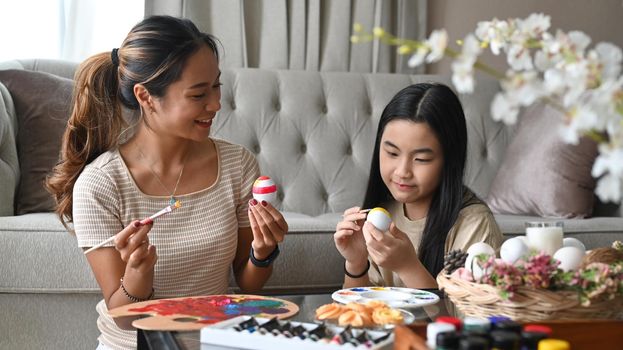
(133, 246)
(392, 250)
(348, 238)
(268, 226)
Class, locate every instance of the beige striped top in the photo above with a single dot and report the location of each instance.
(196, 243)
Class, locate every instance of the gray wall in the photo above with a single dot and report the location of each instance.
(602, 20)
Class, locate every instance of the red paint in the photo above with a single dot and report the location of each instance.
(215, 308)
(264, 190)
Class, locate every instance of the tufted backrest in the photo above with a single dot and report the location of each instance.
(313, 132)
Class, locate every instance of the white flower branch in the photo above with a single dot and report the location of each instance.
(584, 83)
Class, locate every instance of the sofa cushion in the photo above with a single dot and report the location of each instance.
(9, 164)
(541, 174)
(42, 102)
(40, 256)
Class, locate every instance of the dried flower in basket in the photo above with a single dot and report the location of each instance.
(595, 281)
(598, 281)
(506, 277)
(539, 270)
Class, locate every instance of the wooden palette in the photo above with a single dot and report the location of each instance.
(194, 313)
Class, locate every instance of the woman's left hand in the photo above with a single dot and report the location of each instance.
(268, 226)
(392, 250)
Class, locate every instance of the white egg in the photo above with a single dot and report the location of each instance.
(468, 262)
(570, 258)
(472, 251)
(480, 248)
(524, 239)
(513, 249)
(472, 265)
(380, 218)
(573, 242)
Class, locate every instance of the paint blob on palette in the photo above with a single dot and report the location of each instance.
(393, 296)
(193, 313)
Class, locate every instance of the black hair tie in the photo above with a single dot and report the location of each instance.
(114, 56)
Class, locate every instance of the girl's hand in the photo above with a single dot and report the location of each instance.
(392, 250)
(348, 238)
(134, 248)
(268, 226)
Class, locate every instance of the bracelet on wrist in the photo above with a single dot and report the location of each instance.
(266, 261)
(359, 275)
(132, 297)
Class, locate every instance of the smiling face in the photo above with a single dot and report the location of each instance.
(410, 160)
(190, 104)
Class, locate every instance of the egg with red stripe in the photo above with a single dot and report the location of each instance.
(264, 189)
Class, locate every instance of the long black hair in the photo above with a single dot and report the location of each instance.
(439, 107)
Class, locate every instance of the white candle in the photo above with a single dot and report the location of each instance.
(544, 236)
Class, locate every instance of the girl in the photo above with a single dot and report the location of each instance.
(168, 70)
(417, 175)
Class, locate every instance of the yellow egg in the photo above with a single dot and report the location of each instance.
(380, 218)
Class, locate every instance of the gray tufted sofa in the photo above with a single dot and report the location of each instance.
(312, 132)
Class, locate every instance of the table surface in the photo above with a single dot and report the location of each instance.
(307, 304)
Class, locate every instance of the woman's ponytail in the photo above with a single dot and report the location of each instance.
(92, 129)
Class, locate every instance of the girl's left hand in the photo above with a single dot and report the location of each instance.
(392, 250)
(268, 226)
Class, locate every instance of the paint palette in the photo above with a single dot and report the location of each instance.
(247, 332)
(396, 297)
(194, 313)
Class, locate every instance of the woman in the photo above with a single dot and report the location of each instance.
(166, 71)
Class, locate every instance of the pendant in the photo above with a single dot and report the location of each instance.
(172, 200)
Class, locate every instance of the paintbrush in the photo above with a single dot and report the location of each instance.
(361, 211)
(145, 221)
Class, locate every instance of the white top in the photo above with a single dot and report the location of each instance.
(475, 223)
(195, 243)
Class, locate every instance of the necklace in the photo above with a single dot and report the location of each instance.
(172, 200)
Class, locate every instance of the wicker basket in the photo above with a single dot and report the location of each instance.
(528, 304)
